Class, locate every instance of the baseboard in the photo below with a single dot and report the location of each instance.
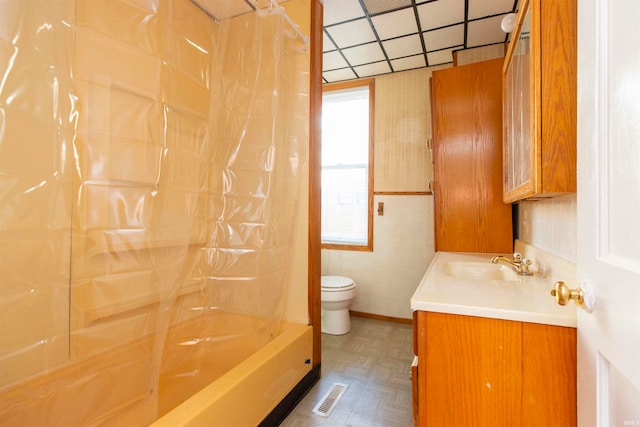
(379, 317)
(284, 408)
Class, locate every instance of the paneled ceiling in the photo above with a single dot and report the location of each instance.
(364, 38)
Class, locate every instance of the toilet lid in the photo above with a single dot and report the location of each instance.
(336, 283)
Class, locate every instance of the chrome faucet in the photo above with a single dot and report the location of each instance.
(519, 264)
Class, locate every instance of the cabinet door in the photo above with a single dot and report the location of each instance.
(549, 376)
(472, 367)
(470, 215)
(518, 154)
(539, 79)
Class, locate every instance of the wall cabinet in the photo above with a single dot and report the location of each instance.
(475, 371)
(540, 102)
(470, 215)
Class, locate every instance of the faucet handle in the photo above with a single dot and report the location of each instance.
(524, 267)
(517, 257)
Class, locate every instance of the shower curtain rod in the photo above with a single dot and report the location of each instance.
(253, 4)
(296, 27)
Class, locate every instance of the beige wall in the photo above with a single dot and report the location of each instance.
(402, 238)
(403, 249)
(402, 125)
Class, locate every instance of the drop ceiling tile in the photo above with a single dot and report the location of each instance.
(352, 33)
(485, 31)
(440, 13)
(364, 54)
(408, 63)
(395, 24)
(333, 60)
(482, 8)
(444, 37)
(380, 6)
(339, 75)
(444, 56)
(327, 44)
(341, 10)
(403, 46)
(373, 69)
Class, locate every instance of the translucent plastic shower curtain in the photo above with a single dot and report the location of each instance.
(149, 173)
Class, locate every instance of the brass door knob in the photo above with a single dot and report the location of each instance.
(564, 294)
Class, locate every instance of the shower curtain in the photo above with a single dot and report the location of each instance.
(150, 157)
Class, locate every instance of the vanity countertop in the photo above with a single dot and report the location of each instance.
(468, 284)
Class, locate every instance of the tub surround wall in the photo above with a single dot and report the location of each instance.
(143, 217)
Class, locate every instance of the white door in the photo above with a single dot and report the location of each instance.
(609, 211)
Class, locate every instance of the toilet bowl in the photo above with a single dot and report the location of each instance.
(336, 295)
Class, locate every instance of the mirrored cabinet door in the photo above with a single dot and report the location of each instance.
(539, 102)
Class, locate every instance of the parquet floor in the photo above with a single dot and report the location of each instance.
(374, 360)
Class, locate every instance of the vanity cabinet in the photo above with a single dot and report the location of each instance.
(469, 213)
(540, 101)
(477, 371)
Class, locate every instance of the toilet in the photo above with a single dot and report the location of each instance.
(337, 292)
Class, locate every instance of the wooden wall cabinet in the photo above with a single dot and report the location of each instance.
(540, 101)
(475, 371)
(470, 215)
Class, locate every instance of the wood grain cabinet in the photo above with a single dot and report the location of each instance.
(475, 371)
(540, 101)
(470, 215)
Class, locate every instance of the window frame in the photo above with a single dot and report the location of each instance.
(370, 84)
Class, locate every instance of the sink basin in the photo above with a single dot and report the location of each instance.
(468, 270)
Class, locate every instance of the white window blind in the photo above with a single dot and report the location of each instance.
(345, 166)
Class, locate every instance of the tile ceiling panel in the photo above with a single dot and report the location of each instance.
(373, 69)
(403, 46)
(387, 25)
(441, 13)
(482, 8)
(441, 56)
(485, 31)
(408, 63)
(339, 75)
(381, 6)
(444, 37)
(364, 54)
(368, 37)
(327, 44)
(341, 10)
(333, 60)
(352, 33)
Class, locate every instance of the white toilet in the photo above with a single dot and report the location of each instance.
(337, 292)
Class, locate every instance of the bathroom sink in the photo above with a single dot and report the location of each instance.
(467, 270)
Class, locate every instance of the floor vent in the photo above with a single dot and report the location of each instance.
(329, 401)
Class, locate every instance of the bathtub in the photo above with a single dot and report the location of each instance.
(246, 394)
(119, 386)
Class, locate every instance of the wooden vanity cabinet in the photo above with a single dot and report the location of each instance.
(469, 213)
(540, 101)
(475, 371)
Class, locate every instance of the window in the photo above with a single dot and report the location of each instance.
(347, 166)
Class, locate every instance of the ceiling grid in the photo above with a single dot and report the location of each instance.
(363, 38)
